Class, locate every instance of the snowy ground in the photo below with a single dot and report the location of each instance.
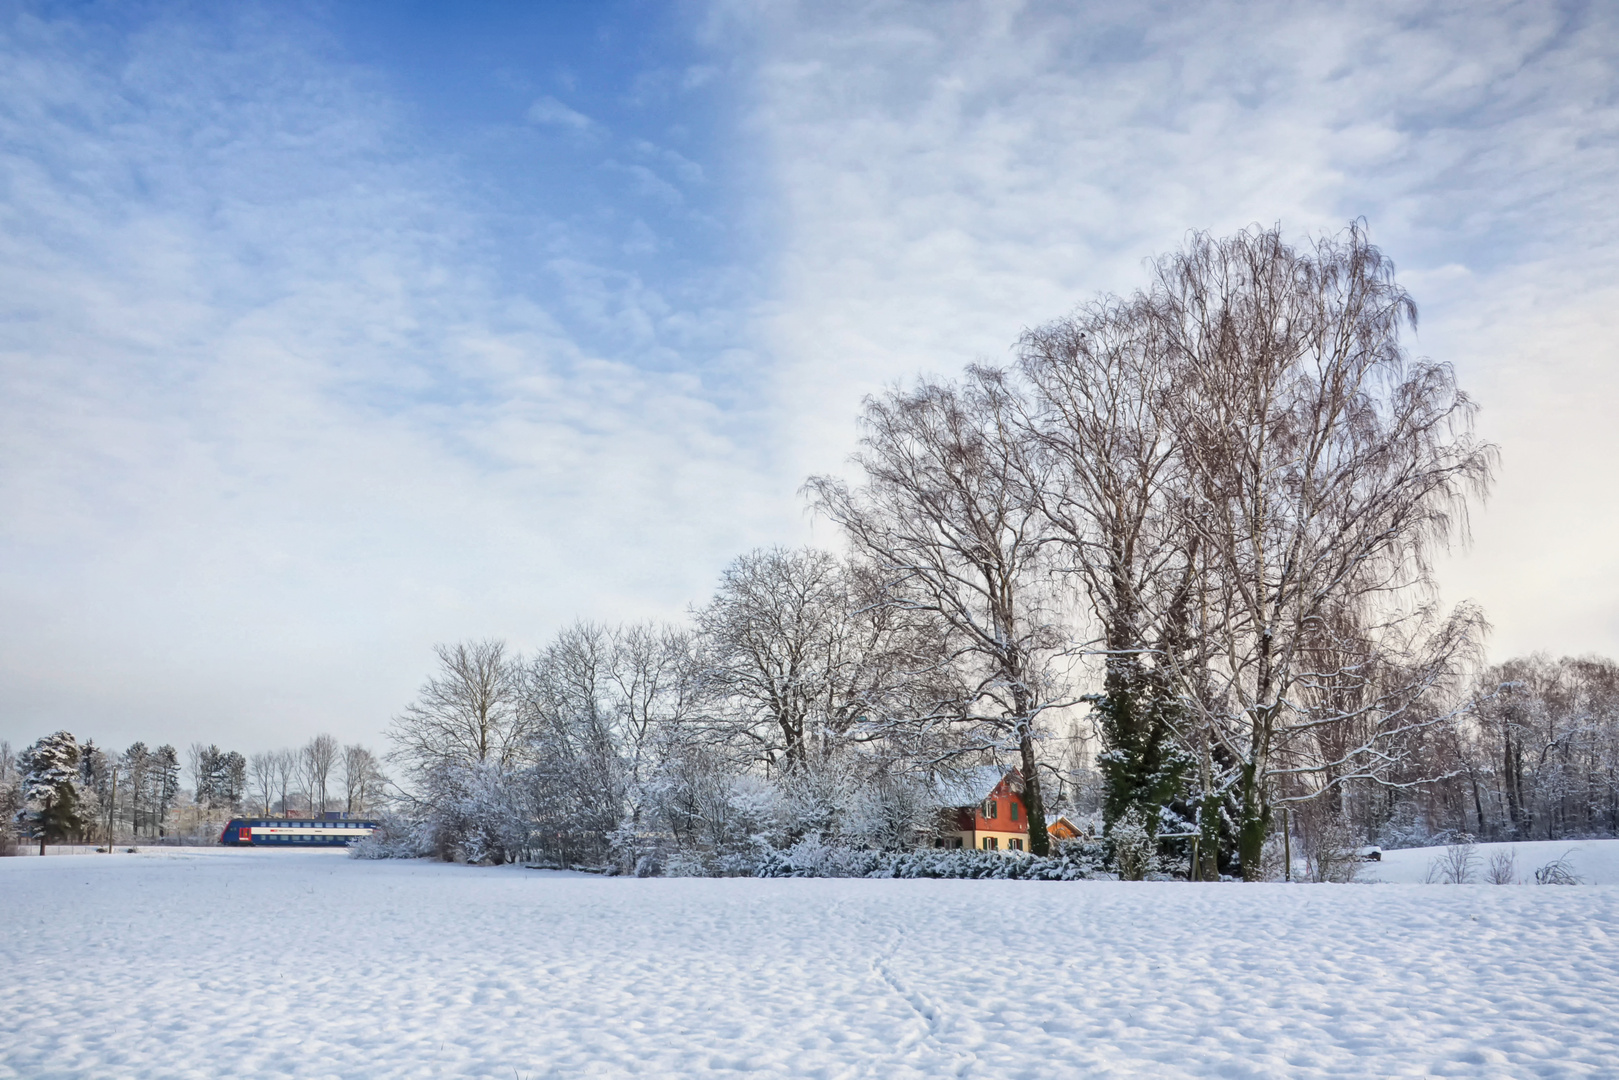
(1596, 862)
(212, 963)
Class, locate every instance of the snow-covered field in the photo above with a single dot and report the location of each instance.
(1595, 862)
(212, 963)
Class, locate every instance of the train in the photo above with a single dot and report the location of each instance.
(331, 831)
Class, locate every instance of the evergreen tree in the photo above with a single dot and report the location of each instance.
(1142, 766)
(165, 785)
(138, 775)
(95, 782)
(231, 787)
(51, 794)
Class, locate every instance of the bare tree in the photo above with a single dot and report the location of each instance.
(362, 779)
(261, 771)
(946, 519)
(1326, 465)
(466, 714)
(286, 776)
(653, 674)
(319, 756)
(578, 774)
(783, 647)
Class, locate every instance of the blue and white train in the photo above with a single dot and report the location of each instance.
(295, 832)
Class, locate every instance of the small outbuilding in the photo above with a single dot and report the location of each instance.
(1060, 828)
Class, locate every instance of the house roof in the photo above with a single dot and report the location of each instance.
(969, 787)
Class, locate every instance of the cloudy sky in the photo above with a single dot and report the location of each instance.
(329, 332)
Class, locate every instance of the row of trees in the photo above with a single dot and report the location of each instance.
(1203, 516)
(321, 775)
(59, 790)
(1538, 758)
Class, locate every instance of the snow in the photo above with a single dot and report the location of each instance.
(1595, 861)
(215, 963)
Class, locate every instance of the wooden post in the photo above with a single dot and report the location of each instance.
(1195, 868)
(112, 808)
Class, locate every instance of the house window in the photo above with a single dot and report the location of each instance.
(1013, 812)
(991, 843)
(1015, 845)
(990, 808)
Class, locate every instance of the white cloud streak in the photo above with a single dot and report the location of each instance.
(548, 110)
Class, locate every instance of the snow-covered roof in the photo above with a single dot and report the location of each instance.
(969, 787)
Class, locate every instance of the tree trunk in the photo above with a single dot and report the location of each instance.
(1254, 824)
(1033, 804)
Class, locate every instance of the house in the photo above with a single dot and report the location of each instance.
(984, 809)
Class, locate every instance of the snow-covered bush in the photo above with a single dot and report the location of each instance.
(478, 814)
(395, 838)
(1131, 846)
(685, 864)
(812, 858)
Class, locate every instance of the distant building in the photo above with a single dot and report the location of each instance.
(984, 810)
(1060, 828)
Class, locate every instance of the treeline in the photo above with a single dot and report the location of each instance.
(1199, 519)
(58, 790)
(1538, 755)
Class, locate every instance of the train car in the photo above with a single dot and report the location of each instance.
(295, 832)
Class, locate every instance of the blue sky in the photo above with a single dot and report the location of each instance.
(328, 332)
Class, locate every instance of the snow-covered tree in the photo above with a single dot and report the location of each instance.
(97, 783)
(946, 520)
(52, 798)
(11, 798)
(465, 714)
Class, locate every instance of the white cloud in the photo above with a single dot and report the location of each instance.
(268, 426)
(548, 110)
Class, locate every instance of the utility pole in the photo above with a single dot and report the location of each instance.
(112, 807)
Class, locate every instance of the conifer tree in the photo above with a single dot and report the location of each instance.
(50, 772)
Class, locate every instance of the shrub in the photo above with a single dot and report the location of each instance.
(1503, 869)
(811, 858)
(395, 838)
(1131, 846)
(1557, 872)
(1457, 865)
